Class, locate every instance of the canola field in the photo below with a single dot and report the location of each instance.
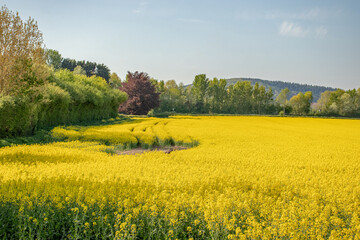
(241, 178)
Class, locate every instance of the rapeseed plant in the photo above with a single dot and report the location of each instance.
(248, 178)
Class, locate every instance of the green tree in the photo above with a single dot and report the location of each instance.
(22, 57)
(89, 67)
(323, 103)
(190, 102)
(69, 64)
(217, 94)
(170, 96)
(102, 71)
(160, 85)
(114, 80)
(79, 70)
(229, 102)
(348, 103)
(53, 58)
(269, 101)
(256, 99)
(357, 102)
(282, 98)
(199, 89)
(301, 103)
(259, 97)
(335, 101)
(241, 99)
(308, 101)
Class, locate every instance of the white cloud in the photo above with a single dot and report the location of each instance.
(190, 20)
(321, 32)
(141, 6)
(311, 14)
(305, 15)
(292, 29)
(295, 30)
(137, 11)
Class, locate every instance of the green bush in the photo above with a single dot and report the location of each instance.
(91, 97)
(53, 106)
(68, 98)
(18, 116)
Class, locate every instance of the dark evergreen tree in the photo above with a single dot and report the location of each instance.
(103, 71)
(90, 68)
(69, 64)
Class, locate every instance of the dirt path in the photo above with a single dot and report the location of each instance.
(140, 150)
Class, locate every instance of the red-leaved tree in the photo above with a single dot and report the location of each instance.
(142, 95)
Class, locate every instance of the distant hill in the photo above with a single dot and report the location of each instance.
(277, 86)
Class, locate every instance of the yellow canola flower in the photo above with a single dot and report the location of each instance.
(249, 177)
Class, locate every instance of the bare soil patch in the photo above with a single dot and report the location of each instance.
(140, 150)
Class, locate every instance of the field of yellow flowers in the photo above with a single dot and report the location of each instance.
(243, 178)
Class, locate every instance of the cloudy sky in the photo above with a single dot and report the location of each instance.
(311, 41)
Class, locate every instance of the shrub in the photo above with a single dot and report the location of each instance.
(68, 98)
(91, 97)
(54, 106)
(18, 116)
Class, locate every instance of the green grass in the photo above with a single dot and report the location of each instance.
(43, 136)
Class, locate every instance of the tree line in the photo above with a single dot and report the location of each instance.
(88, 68)
(338, 103)
(214, 96)
(277, 86)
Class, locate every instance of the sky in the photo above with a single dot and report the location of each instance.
(313, 42)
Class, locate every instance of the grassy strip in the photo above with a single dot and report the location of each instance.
(43, 136)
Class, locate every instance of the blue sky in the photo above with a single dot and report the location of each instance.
(312, 41)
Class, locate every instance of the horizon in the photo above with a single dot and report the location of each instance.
(303, 42)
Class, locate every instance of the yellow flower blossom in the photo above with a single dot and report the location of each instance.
(243, 177)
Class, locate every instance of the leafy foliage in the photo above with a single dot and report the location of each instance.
(339, 102)
(69, 64)
(115, 81)
(301, 103)
(103, 71)
(18, 115)
(277, 86)
(142, 95)
(53, 58)
(22, 58)
(212, 96)
(282, 98)
(217, 96)
(79, 70)
(91, 97)
(67, 98)
(90, 68)
(32, 96)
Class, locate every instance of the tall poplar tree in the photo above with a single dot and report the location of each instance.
(22, 57)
